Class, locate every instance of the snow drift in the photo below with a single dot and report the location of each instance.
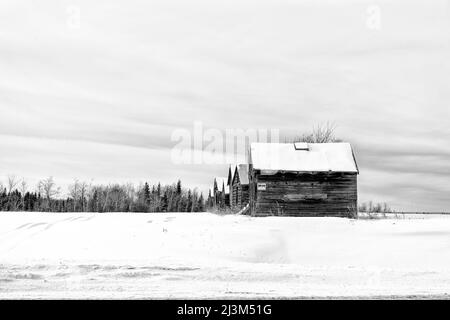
(202, 255)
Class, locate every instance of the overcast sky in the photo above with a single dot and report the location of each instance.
(98, 96)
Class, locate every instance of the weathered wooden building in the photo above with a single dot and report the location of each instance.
(240, 187)
(229, 184)
(287, 179)
(221, 193)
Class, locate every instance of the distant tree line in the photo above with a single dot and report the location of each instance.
(85, 197)
(371, 207)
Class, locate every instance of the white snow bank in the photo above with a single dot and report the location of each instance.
(147, 255)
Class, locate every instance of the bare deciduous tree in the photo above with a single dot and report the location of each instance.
(130, 192)
(12, 183)
(23, 190)
(84, 190)
(74, 192)
(322, 133)
(49, 190)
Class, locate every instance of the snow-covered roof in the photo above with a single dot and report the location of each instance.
(222, 182)
(317, 157)
(242, 170)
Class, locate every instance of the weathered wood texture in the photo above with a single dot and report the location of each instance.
(303, 194)
(234, 201)
(231, 195)
(240, 194)
(230, 186)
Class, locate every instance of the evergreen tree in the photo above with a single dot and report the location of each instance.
(201, 205)
(164, 202)
(158, 190)
(189, 202)
(179, 188)
(146, 193)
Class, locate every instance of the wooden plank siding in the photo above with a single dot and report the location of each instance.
(234, 201)
(240, 193)
(243, 196)
(303, 194)
(230, 186)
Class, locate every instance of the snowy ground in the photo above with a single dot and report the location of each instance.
(141, 256)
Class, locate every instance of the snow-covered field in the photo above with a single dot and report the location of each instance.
(201, 255)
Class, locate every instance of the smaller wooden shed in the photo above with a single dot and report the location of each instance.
(221, 192)
(240, 187)
(229, 184)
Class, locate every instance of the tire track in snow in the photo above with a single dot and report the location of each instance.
(13, 238)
